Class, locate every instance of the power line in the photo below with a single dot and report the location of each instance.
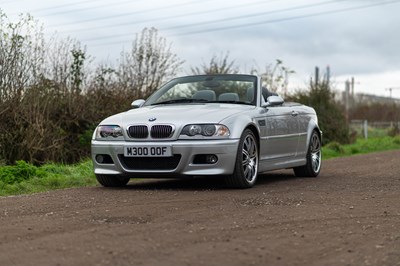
(60, 6)
(289, 18)
(133, 13)
(253, 15)
(64, 5)
(86, 8)
(342, 10)
(173, 16)
(229, 18)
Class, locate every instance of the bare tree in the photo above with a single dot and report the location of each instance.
(66, 64)
(148, 64)
(275, 77)
(21, 55)
(217, 65)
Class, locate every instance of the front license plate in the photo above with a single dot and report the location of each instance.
(148, 151)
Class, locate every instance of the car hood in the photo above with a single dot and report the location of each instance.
(177, 114)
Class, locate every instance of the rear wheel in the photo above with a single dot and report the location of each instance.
(246, 167)
(112, 180)
(313, 165)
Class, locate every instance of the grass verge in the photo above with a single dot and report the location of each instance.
(24, 178)
(361, 146)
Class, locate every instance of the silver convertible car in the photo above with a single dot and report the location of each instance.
(208, 125)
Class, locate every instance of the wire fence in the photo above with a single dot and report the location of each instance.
(366, 129)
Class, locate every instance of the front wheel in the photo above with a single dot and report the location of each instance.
(313, 165)
(112, 180)
(246, 166)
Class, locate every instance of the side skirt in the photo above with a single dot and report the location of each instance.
(275, 164)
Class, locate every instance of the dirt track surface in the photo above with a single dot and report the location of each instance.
(349, 215)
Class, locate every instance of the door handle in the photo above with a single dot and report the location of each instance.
(294, 113)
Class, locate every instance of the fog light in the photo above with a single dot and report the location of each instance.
(104, 159)
(99, 158)
(211, 159)
(205, 159)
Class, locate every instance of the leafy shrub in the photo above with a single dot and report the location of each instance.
(17, 173)
(394, 131)
(50, 102)
(23, 178)
(354, 150)
(335, 146)
(331, 118)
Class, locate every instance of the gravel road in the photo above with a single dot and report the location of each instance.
(349, 215)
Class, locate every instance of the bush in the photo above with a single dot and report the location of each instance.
(394, 131)
(17, 173)
(23, 178)
(330, 115)
(50, 103)
(335, 146)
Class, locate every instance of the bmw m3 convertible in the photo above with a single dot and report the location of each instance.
(225, 126)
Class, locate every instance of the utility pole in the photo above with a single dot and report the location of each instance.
(316, 76)
(328, 74)
(391, 89)
(347, 92)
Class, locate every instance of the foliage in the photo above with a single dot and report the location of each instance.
(49, 101)
(24, 178)
(21, 56)
(394, 131)
(335, 146)
(361, 146)
(217, 65)
(275, 77)
(330, 115)
(42, 117)
(149, 63)
(387, 112)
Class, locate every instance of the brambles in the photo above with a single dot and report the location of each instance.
(50, 101)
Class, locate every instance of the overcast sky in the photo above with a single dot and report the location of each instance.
(359, 38)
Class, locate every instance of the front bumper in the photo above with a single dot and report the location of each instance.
(225, 150)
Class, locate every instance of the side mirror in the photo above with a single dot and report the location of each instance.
(274, 101)
(137, 103)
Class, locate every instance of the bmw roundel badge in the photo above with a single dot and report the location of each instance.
(152, 119)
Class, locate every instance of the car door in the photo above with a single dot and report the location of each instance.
(280, 133)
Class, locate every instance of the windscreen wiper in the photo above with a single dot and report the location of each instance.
(236, 102)
(182, 101)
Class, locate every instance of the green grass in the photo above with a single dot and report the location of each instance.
(24, 178)
(361, 146)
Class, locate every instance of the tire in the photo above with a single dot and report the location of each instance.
(313, 165)
(112, 180)
(246, 166)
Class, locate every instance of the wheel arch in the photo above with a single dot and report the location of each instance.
(256, 133)
(313, 126)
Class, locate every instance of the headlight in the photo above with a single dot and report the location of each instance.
(113, 132)
(206, 130)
